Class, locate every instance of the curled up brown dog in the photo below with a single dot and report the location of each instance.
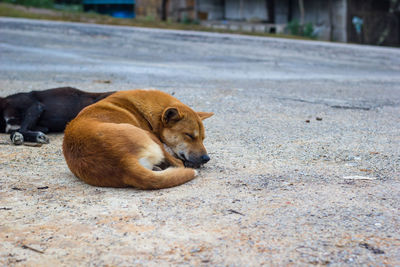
(123, 141)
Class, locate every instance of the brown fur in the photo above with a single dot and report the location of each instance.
(119, 140)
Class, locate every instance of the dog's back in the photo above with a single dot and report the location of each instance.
(63, 104)
(60, 105)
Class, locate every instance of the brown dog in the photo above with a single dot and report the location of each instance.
(120, 141)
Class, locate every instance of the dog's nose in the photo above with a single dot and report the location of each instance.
(205, 158)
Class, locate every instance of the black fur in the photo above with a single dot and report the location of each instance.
(40, 112)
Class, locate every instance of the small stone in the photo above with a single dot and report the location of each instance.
(195, 250)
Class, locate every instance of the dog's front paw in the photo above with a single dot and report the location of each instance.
(179, 163)
(17, 138)
(42, 138)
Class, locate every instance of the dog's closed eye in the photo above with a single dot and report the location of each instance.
(190, 136)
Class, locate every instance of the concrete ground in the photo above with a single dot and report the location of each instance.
(305, 148)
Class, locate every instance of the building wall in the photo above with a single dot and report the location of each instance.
(254, 10)
(317, 13)
(148, 8)
(181, 10)
(281, 11)
(210, 9)
(328, 17)
(339, 21)
(178, 10)
(247, 10)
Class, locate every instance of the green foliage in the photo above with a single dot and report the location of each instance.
(294, 27)
(32, 3)
(306, 30)
(186, 20)
(150, 18)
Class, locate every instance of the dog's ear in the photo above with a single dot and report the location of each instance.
(204, 115)
(170, 115)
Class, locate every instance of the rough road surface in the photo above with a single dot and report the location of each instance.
(283, 187)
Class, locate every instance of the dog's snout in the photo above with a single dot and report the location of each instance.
(205, 158)
(196, 161)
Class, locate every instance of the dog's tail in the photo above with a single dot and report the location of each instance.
(143, 178)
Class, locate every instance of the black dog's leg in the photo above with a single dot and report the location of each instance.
(29, 136)
(29, 122)
(31, 117)
(16, 137)
(41, 129)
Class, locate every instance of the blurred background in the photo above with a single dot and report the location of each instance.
(374, 22)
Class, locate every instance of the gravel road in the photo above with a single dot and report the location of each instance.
(304, 146)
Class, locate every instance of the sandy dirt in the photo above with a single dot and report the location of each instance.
(304, 147)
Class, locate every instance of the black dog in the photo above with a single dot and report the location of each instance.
(28, 116)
